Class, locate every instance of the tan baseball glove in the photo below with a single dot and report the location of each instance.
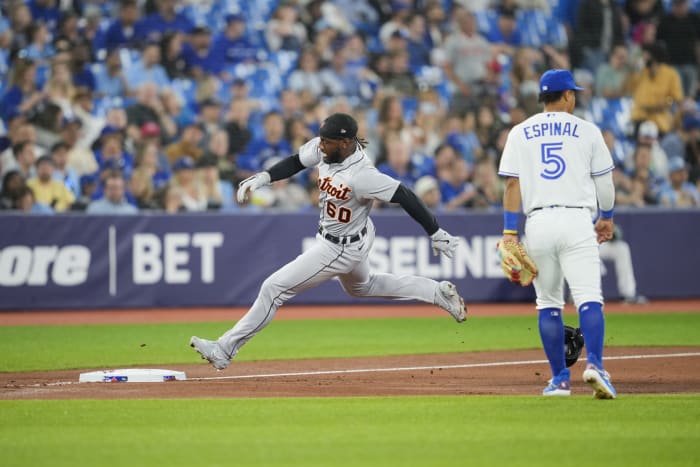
(516, 264)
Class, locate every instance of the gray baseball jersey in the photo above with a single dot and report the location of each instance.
(347, 189)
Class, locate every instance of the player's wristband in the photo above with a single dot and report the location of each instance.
(510, 222)
(607, 214)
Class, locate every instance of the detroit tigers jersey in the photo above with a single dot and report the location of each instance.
(347, 189)
(556, 155)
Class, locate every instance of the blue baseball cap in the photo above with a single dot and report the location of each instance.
(558, 80)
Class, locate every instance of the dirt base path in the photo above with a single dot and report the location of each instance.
(635, 370)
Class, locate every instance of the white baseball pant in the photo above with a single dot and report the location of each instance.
(562, 243)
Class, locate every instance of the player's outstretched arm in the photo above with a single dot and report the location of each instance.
(281, 170)
(442, 242)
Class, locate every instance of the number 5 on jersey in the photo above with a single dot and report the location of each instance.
(553, 161)
(341, 213)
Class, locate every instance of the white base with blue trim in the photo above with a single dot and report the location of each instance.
(132, 375)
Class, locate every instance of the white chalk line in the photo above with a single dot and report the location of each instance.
(392, 369)
(429, 367)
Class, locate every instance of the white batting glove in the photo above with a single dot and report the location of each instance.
(251, 184)
(442, 242)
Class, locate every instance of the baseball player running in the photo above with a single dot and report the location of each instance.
(560, 168)
(348, 184)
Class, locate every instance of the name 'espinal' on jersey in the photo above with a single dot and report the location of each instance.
(551, 129)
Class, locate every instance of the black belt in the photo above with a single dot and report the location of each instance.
(556, 206)
(343, 240)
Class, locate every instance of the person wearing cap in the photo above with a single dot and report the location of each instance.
(648, 134)
(198, 54)
(678, 192)
(427, 188)
(184, 178)
(48, 190)
(559, 169)
(110, 152)
(189, 144)
(273, 143)
(219, 192)
(349, 185)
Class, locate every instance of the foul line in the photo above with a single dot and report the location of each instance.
(431, 367)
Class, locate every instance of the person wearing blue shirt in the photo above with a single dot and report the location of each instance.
(272, 144)
(59, 155)
(110, 77)
(114, 201)
(148, 69)
(232, 46)
(45, 11)
(153, 26)
(505, 32)
(122, 31)
(199, 56)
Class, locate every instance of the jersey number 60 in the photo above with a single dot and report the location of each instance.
(343, 214)
(555, 165)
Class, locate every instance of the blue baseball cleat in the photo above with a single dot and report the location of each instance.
(559, 385)
(600, 382)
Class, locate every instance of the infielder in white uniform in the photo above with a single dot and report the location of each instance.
(349, 184)
(559, 167)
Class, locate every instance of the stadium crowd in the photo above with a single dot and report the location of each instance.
(121, 106)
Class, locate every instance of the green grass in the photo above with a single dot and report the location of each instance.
(24, 348)
(408, 431)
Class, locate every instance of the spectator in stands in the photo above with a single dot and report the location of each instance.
(427, 121)
(12, 182)
(398, 163)
(45, 11)
(148, 69)
(679, 192)
(307, 76)
(26, 202)
(284, 31)
(25, 157)
(390, 119)
(110, 77)
(505, 36)
(232, 46)
(218, 147)
(20, 20)
(655, 88)
(153, 26)
(81, 159)
(172, 200)
(236, 124)
(149, 108)
(83, 110)
(171, 51)
(15, 132)
(80, 65)
(272, 144)
(427, 189)
(338, 79)
(643, 174)
(630, 191)
(418, 49)
(193, 197)
(648, 135)
(88, 187)
(199, 57)
(141, 188)
(611, 77)
(59, 88)
(680, 30)
(61, 172)
(398, 22)
(190, 143)
(21, 94)
(68, 30)
(39, 49)
(47, 190)
(121, 32)
(219, 193)
(599, 28)
(690, 136)
(148, 157)
(489, 186)
(400, 78)
(455, 188)
(642, 16)
(467, 56)
(110, 152)
(114, 201)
